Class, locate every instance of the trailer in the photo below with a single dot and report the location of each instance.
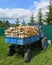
(25, 43)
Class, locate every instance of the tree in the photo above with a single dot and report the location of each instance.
(49, 14)
(32, 19)
(4, 23)
(17, 22)
(23, 23)
(0, 23)
(12, 25)
(40, 16)
(7, 23)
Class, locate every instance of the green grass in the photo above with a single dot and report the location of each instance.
(38, 57)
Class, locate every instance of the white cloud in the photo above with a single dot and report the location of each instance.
(14, 13)
(24, 13)
(43, 4)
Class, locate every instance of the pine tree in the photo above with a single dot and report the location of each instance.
(23, 23)
(7, 24)
(0, 23)
(17, 22)
(40, 16)
(49, 14)
(32, 19)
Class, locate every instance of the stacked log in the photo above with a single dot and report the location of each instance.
(22, 31)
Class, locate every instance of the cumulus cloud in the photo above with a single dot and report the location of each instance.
(43, 4)
(24, 13)
(14, 13)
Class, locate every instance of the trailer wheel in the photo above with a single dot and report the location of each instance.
(27, 55)
(10, 51)
(44, 43)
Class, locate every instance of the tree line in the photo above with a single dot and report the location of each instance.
(48, 18)
(4, 23)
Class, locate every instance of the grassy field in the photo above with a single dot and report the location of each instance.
(38, 57)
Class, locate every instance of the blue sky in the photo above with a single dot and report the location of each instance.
(16, 3)
(22, 9)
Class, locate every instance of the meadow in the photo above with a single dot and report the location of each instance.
(38, 56)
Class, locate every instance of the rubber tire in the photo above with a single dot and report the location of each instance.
(10, 52)
(27, 55)
(44, 43)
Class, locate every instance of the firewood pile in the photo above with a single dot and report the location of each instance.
(21, 31)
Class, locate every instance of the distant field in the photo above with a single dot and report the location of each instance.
(38, 57)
